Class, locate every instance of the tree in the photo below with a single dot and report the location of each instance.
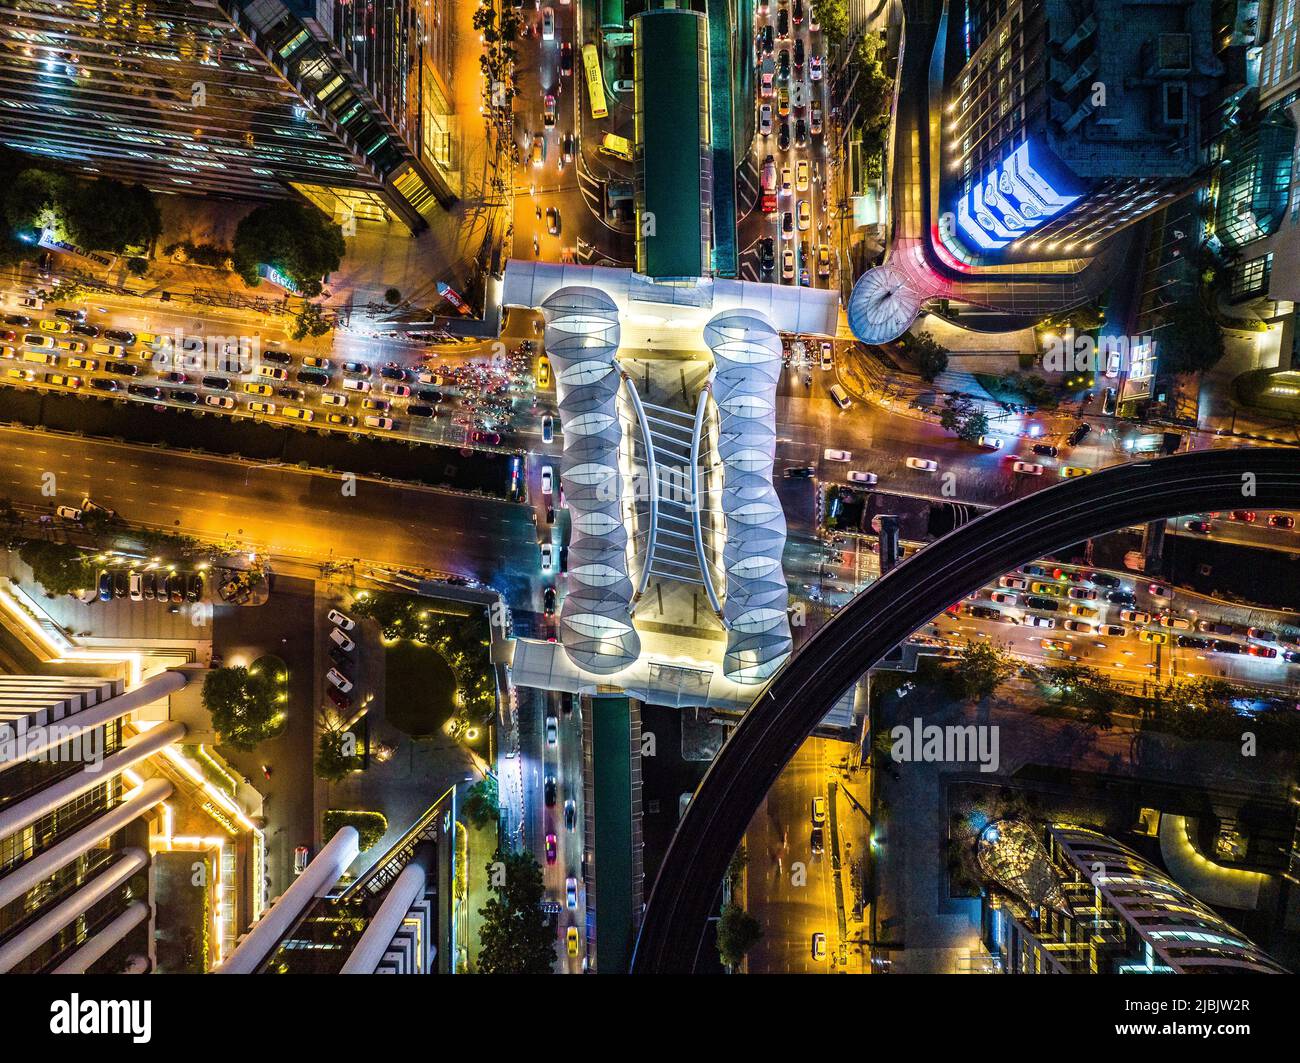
(371, 826)
(1095, 697)
(309, 322)
(931, 356)
(245, 704)
(107, 215)
(515, 938)
(738, 932)
(981, 669)
(295, 238)
(963, 418)
(60, 568)
(1191, 341)
(833, 15)
(481, 804)
(333, 763)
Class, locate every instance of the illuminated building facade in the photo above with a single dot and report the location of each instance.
(1068, 123)
(77, 800)
(344, 103)
(1122, 916)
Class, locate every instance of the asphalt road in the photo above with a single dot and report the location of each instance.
(281, 510)
(804, 690)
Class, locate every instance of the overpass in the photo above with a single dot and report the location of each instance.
(804, 690)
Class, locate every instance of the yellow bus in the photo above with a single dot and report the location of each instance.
(595, 84)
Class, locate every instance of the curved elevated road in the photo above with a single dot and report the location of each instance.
(885, 614)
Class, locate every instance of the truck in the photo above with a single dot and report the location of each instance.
(767, 185)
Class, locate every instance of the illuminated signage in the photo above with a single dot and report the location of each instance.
(1012, 201)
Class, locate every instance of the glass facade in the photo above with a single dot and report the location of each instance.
(231, 98)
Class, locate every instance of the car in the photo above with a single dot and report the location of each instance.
(63, 381)
(1003, 597)
(1082, 594)
(300, 855)
(787, 263)
(800, 126)
(1046, 605)
(1156, 638)
(1201, 527)
(548, 428)
(277, 357)
(1082, 627)
(88, 364)
(353, 384)
(1245, 516)
(1060, 645)
(1039, 587)
(357, 368)
(120, 335)
(298, 413)
(310, 376)
(1214, 627)
(570, 814)
(54, 325)
(1193, 642)
(800, 472)
(552, 731)
(1261, 633)
(144, 391)
(342, 640)
(1031, 620)
(816, 841)
(815, 67)
(548, 601)
(566, 59)
(1015, 583)
(783, 135)
(1267, 652)
(548, 560)
(989, 442)
(543, 372)
(787, 227)
(1135, 616)
(216, 383)
(120, 583)
(549, 791)
(552, 848)
(571, 940)
(398, 391)
(783, 23)
(1121, 597)
(1159, 590)
(1027, 468)
(818, 810)
(765, 120)
(189, 398)
(548, 24)
(798, 11)
(805, 216)
(1045, 450)
(830, 454)
(384, 424)
(570, 884)
(340, 620)
(339, 681)
(312, 362)
(1085, 611)
(869, 479)
(1078, 434)
(332, 399)
(548, 110)
(1281, 520)
(194, 586)
(221, 402)
(104, 586)
(292, 394)
(1069, 472)
(815, 116)
(1177, 623)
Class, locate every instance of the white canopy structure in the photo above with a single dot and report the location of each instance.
(595, 620)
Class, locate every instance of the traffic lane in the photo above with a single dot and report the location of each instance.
(286, 511)
(569, 788)
(1241, 533)
(788, 887)
(769, 735)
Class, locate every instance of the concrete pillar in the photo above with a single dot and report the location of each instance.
(385, 923)
(36, 870)
(19, 947)
(153, 689)
(44, 801)
(315, 881)
(97, 947)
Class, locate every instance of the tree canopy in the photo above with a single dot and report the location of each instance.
(295, 238)
(481, 805)
(981, 669)
(963, 418)
(515, 937)
(738, 932)
(58, 567)
(245, 703)
(931, 356)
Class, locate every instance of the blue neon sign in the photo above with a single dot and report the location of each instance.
(1011, 202)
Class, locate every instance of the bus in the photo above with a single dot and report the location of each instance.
(595, 83)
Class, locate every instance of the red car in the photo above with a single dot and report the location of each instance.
(1201, 526)
(1261, 651)
(550, 848)
(1281, 520)
(1246, 516)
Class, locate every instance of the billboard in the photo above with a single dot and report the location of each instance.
(1013, 200)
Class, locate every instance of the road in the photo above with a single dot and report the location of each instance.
(805, 689)
(280, 510)
(788, 887)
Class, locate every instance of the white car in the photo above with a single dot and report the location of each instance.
(339, 620)
(331, 399)
(868, 478)
(571, 893)
(341, 640)
(548, 24)
(1003, 597)
(384, 423)
(765, 120)
(1135, 616)
(548, 481)
(351, 384)
(828, 355)
(339, 680)
(831, 454)
(552, 731)
(990, 442)
(1028, 468)
(221, 402)
(1015, 583)
(1038, 621)
(922, 464)
(548, 559)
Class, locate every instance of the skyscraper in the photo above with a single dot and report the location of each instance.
(344, 103)
(1070, 122)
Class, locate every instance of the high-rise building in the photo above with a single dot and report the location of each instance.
(1071, 121)
(76, 799)
(347, 104)
(1113, 913)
